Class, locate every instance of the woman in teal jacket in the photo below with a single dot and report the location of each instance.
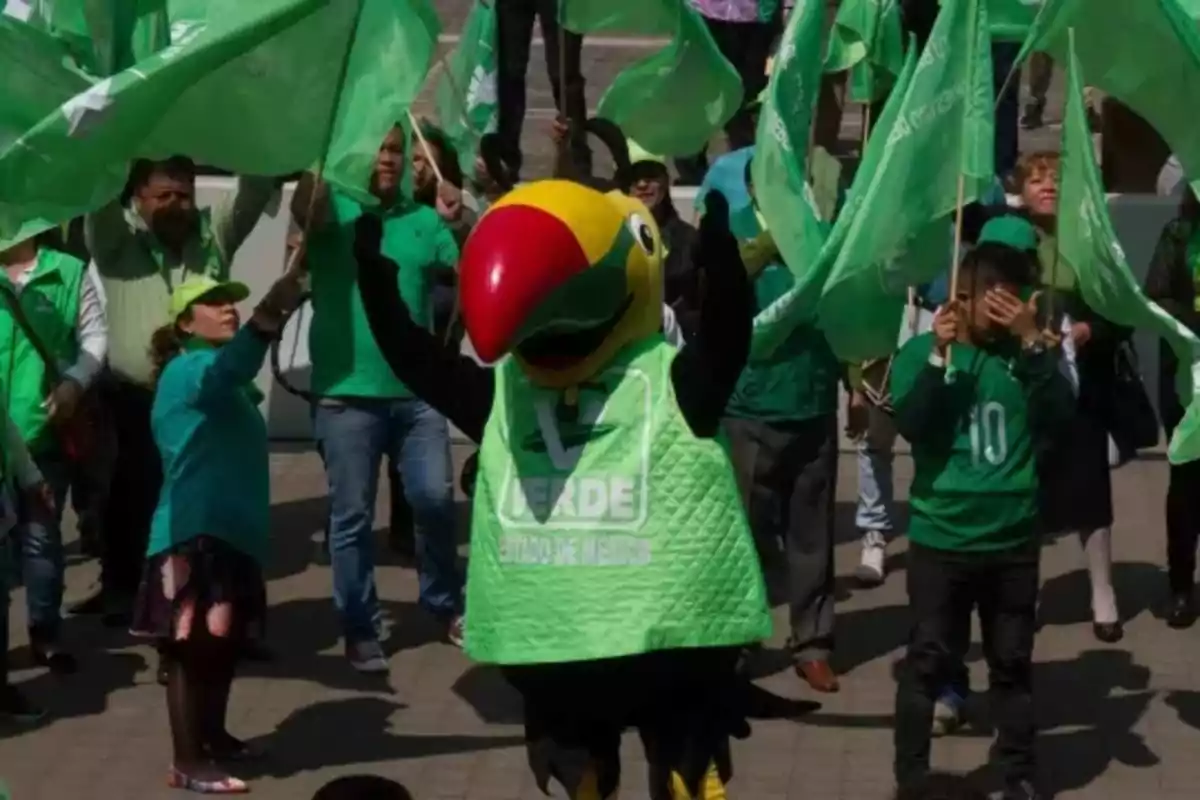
(203, 589)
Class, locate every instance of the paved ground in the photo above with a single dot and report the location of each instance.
(1117, 721)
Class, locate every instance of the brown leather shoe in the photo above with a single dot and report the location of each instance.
(819, 676)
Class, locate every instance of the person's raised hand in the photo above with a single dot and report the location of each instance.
(1019, 317)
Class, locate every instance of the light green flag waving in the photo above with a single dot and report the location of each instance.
(36, 77)
(942, 132)
(674, 100)
(867, 39)
(105, 36)
(1087, 242)
(798, 306)
(465, 93)
(782, 191)
(254, 88)
(1145, 53)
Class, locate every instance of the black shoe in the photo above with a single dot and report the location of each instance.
(1023, 790)
(92, 604)
(1182, 611)
(50, 655)
(1108, 632)
(14, 706)
(1033, 118)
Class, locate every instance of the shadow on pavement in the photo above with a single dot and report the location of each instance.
(1082, 725)
(1066, 599)
(84, 694)
(355, 731)
(305, 637)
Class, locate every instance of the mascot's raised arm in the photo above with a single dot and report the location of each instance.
(612, 574)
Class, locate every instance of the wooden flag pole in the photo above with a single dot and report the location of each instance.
(866, 128)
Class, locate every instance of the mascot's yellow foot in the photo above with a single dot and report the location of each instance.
(711, 789)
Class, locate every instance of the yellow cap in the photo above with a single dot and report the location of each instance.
(195, 288)
(640, 155)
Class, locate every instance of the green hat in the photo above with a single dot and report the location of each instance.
(640, 155)
(1011, 230)
(196, 288)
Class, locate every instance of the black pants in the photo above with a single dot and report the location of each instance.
(943, 588)
(787, 473)
(133, 490)
(746, 45)
(514, 24)
(1183, 497)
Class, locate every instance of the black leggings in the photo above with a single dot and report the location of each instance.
(199, 674)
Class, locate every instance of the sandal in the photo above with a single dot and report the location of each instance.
(226, 784)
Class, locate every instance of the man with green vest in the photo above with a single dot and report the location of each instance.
(366, 412)
(143, 244)
(782, 422)
(613, 576)
(53, 342)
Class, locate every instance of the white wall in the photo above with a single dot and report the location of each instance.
(1138, 220)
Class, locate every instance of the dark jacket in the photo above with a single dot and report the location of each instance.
(682, 279)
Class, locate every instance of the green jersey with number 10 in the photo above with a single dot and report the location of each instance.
(975, 481)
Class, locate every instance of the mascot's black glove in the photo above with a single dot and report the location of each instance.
(368, 237)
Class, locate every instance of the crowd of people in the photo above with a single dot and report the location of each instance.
(130, 388)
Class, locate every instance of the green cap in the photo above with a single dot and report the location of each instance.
(197, 287)
(640, 155)
(1011, 230)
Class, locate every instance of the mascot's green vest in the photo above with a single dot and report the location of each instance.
(606, 528)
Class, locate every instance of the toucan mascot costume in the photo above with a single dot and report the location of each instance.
(613, 577)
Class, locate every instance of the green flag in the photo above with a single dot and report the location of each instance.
(1087, 242)
(252, 88)
(105, 36)
(781, 187)
(674, 100)
(940, 140)
(867, 39)
(1145, 54)
(390, 51)
(36, 77)
(465, 93)
(1010, 20)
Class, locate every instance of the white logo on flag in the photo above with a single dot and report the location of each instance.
(84, 109)
(482, 91)
(18, 8)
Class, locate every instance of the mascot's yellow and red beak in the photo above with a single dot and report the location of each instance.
(563, 277)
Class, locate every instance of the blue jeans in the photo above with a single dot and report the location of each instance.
(41, 559)
(354, 436)
(875, 457)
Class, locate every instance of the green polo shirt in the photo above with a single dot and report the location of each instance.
(346, 361)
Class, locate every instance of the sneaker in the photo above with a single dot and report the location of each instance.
(1033, 118)
(454, 631)
(947, 714)
(871, 570)
(367, 656)
(14, 706)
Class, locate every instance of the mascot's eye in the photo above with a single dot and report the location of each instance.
(641, 231)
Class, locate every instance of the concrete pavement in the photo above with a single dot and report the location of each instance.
(1118, 721)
